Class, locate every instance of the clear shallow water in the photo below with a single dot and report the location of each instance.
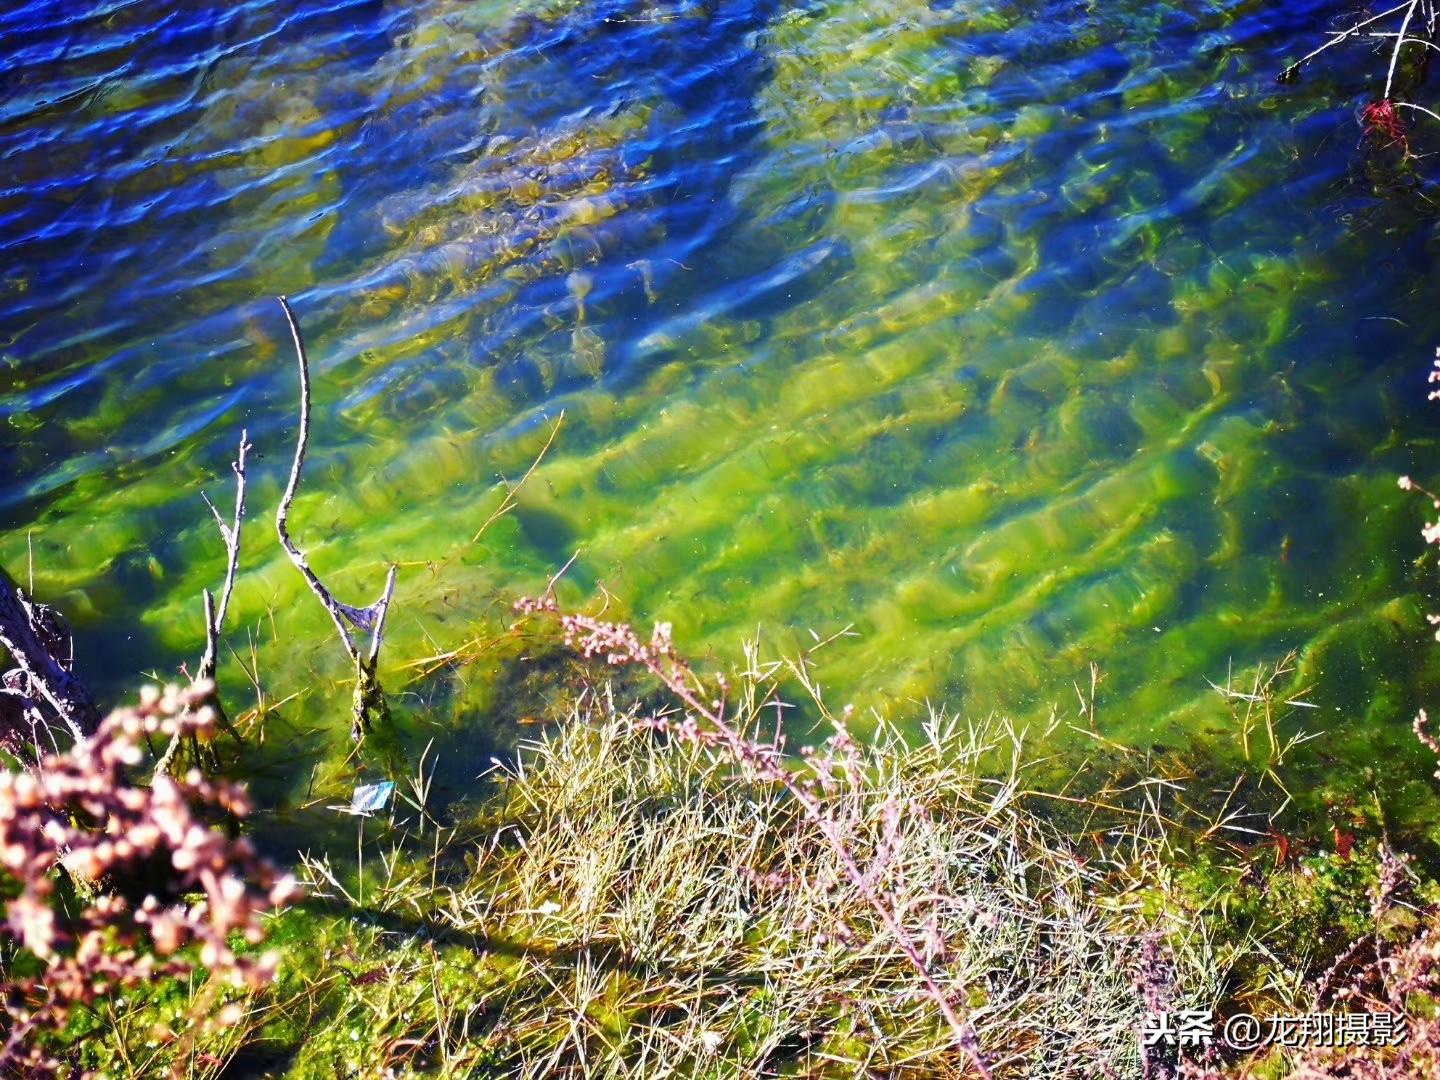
(1020, 336)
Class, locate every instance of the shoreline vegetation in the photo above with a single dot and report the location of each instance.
(1389, 123)
(629, 894)
(657, 883)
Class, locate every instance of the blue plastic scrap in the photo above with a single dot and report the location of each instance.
(371, 797)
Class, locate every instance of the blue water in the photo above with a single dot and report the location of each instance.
(1021, 336)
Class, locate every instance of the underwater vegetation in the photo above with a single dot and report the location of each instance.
(1019, 341)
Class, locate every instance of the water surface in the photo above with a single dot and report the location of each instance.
(1020, 336)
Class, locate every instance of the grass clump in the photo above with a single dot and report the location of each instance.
(656, 885)
(627, 901)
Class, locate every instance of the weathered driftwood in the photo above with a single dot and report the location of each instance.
(43, 685)
(369, 702)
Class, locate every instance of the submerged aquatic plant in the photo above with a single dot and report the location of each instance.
(1417, 22)
(1395, 967)
(1383, 125)
(1266, 705)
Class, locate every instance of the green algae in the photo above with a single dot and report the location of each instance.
(1011, 375)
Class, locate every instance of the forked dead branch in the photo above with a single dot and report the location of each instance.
(215, 616)
(369, 702)
(43, 689)
(230, 534)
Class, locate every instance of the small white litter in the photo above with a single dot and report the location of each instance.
(369, 798)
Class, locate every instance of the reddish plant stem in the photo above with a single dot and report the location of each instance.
(621, 645)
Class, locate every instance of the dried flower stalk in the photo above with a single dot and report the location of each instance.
(707, 723)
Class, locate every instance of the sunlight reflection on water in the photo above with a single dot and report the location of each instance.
(1018, 336)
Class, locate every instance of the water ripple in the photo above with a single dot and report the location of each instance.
(989, 327)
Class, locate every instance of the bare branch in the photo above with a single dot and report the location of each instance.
(1417, 108)
(1339, 36)
(1399, 44)
(282, 514)
(382, 608)
(215, 617)
(508, 503)
(230, 534)
(369, 698)
(1412, 40)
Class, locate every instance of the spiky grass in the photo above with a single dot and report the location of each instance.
(632, 904)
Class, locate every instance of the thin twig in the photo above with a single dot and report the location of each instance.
(1417, 108)
(282, 513)
(511, 490)
(1408, 41)
(382, 607)
(1399, 44)
(215, 617)
(1338, 36)
(230, 534)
